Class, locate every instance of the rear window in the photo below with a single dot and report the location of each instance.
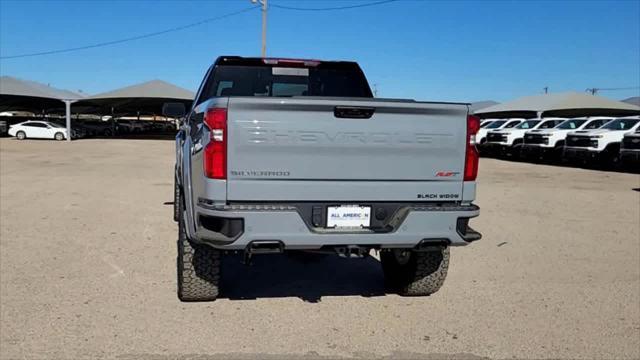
(571, 124)
(621, 124)
(326, 79)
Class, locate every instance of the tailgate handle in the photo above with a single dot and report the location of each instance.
(353, 112)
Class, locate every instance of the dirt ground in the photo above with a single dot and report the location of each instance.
(87, 270)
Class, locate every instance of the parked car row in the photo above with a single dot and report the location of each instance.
(95, 128)
(139, 127)
(590, 140)
(4, 127)
(56, 129)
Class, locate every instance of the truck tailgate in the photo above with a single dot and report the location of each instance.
(304, 149)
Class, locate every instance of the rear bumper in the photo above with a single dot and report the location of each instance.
(234, 227)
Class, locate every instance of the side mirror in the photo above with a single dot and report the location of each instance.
(174, 110)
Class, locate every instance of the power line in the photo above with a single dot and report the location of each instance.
(183, 27)
(120, 41)
(594, 90)
(333, 8)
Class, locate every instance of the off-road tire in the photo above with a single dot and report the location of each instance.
(198, 268)
(20, 135)
(58, 136)
(422, 274)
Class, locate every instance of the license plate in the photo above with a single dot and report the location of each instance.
(348, 216)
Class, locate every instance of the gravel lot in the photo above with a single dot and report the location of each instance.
(87, 269)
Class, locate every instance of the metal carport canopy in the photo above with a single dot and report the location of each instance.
(147, 97)
(568, 104)
(17, 94)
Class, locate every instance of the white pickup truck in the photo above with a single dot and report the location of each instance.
(601, 144)
(549, 143)
(508, 141)
(630, 150)
(481, 137)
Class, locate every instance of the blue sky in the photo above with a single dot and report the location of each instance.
(427, 50)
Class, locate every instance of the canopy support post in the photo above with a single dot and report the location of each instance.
(113, 123)
(67, 107)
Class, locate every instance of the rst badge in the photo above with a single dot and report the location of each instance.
(447, 173)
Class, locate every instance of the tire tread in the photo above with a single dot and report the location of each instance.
(198, 269)
(424, 273)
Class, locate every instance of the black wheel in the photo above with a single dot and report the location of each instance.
(415, 273)
(610, 158)
(59, 136)
(555, 155)
(107, 132)
(176, 200)
(198, 268)
(21, 135)
(514, 151)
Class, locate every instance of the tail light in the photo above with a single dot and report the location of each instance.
(215, 153)
(472, 156)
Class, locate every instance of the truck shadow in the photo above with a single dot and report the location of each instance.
(303, 275)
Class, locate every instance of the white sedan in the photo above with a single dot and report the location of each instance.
(38, 130)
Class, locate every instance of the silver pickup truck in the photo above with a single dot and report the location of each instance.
(282, 155)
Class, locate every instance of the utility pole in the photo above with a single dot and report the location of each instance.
(375, 90)
(546, 89)
(264, 24)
